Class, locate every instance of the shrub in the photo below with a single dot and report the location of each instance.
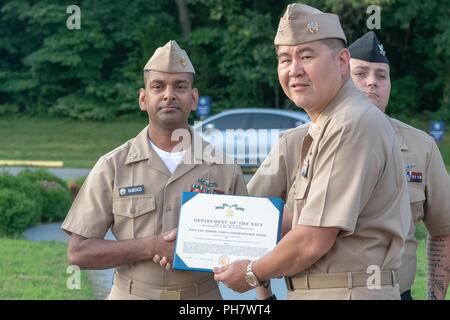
(17, 212)
(28, 188)
(55, 193)
(8, 109)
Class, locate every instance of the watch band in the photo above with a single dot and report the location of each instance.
(251, 277)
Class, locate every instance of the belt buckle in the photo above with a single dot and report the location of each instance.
(170, 295)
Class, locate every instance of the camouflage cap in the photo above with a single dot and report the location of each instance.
(302, 23)
(170, 59)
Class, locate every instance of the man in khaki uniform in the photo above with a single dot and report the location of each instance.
(428, 189)
(428, 182)
(350, 202)
(136, 190)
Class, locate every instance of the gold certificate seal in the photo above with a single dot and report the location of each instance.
(224, 260)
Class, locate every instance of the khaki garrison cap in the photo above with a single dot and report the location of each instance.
(170, 59)
(301, 23)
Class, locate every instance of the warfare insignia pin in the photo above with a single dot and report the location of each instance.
(313, 27)
(207, 183)
(183, 62)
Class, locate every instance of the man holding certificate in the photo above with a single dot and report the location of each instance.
(136, 190)
(349, 197)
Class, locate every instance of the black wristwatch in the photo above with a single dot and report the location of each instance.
(272, 297)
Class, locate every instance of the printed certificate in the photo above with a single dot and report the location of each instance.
(215, 230)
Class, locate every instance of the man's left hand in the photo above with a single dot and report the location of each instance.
(233, 275)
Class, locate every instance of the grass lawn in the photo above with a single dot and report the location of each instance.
(419, 289)
(80, 143)
(30, 270)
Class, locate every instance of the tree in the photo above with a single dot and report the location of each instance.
(183, 12)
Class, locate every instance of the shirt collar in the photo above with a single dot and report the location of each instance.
(400, 138)
(140, 149)
(347, 89)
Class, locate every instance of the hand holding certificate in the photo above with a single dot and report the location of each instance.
(215, 230)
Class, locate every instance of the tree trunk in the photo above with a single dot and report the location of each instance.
(183, 15)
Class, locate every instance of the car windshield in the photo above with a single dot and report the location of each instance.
(234, 121)
(253, 121)
(271, 121)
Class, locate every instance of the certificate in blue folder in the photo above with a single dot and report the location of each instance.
(215, 229)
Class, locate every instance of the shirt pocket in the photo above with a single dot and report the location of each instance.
(416, 200)
(134, 217)
(300, 193)
(300, 187)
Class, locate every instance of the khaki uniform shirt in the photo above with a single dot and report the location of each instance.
(349, 176)
(429, 192)
(100, 206)
(277, 173)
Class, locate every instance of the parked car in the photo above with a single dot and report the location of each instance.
(248, 134)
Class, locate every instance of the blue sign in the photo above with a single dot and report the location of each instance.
(204, 106)
(437, 130)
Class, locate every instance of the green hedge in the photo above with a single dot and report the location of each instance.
(55, 193)
(30, 198)
(28, 188)
(17, 212)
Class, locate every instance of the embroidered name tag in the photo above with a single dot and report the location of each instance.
(130, 191)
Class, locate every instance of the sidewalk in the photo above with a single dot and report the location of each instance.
(63, 173)
(102, 279)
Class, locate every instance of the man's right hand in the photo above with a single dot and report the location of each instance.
(165, 246)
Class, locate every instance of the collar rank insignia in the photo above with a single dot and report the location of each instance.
(305, 167)
(413, 176)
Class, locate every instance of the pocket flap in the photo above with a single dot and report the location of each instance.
(300, 188)
(133, 207)
(416, 194)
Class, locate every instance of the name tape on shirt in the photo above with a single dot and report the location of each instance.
(130, 191)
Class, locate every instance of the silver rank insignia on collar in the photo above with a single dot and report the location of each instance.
(305, 168)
